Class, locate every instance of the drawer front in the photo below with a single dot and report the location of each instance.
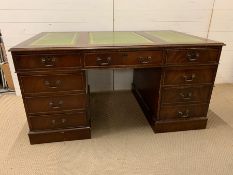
(118, 59)
(180, 125)
(41, 61)
(52, 83)
(175, 76)
(55, 103)
(58, 121)
(60, 135)
(186, 94)
(183, 112)
(192, 56)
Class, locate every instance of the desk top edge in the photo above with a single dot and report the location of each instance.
(83, 41)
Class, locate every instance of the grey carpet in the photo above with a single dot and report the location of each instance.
(122, 142)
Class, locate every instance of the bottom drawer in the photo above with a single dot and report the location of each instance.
(180, 125)
(60, 135)
(55, 121)
(183, 112)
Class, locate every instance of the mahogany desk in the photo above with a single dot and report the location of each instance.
(173, 78)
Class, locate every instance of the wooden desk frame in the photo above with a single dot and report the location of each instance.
(172, 83)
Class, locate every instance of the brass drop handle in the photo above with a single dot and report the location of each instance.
(193, 56)
(183, 114)
(48, 61)
(187, 96)
(103, 61)
(53, 122)
(189, 78)
(56, 105)
(144, 60)
(51, 84)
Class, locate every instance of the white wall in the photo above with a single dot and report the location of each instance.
(222, 29)
(20, 20)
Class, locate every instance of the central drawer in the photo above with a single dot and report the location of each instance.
(56, 121)
(121, 59)
(52, 82)
(44, 104)
(186, 94)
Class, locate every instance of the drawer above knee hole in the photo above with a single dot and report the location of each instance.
(122, 59)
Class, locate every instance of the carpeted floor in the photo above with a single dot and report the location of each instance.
(122, 142)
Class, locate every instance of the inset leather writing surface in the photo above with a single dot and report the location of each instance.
(175, 37)
(57, 39)
(112, 38)
(97, 40)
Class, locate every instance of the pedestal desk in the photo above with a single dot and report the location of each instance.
(173, 78)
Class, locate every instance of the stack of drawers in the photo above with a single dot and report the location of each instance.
(173, 86)
(186, 87)
(54, 92)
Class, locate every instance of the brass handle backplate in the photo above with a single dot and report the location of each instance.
(48, 61)
(186, 96)
(192, 56)
(63, 120)
(144, 60)
(103, 61)
(53, 122)
(56, 104)
(188, 78)
(184, 114)
(52, 84)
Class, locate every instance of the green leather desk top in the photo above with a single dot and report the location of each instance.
(88, 40)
